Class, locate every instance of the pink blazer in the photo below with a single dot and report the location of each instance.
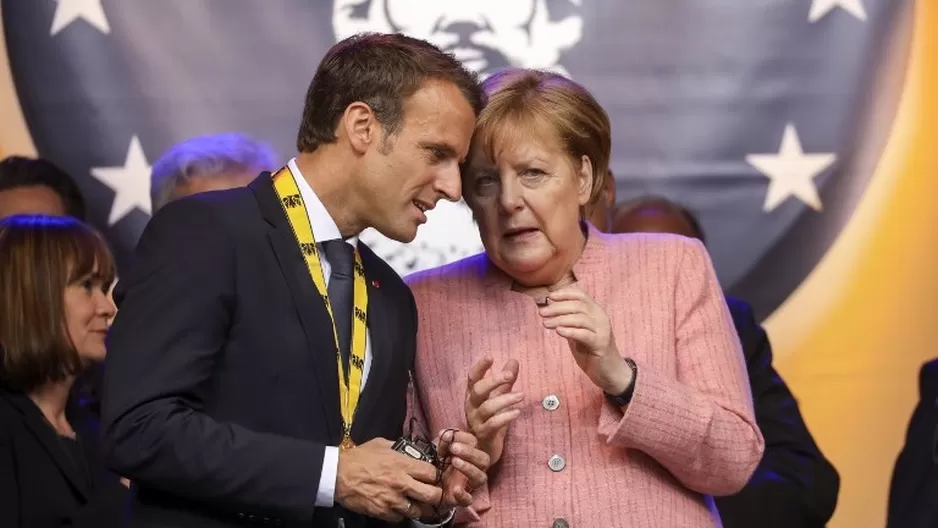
(688, 433)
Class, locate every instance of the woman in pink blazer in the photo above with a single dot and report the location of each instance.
(601, 373)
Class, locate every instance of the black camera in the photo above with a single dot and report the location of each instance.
(419, 449)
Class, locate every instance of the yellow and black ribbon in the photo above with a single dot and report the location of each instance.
(295, 209)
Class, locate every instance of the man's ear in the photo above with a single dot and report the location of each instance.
(360, 126)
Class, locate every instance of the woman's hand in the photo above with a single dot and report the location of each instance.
(575, 316)
(468, 466)
(490, 405)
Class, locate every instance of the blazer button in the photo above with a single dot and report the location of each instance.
(560, 523)
(551, 402)
(556, 463)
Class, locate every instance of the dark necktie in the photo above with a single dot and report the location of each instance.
(341, 257)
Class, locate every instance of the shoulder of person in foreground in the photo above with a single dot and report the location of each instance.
(446, 279)
(657, 248)
(190, 221)
(380, 274)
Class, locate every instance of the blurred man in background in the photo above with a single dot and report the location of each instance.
(794, 485)
(208, 163)
(37, 186)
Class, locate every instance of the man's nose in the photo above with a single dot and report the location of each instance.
(449, 184)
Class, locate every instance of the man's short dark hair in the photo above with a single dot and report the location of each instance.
(663, 204)
(19, 171)
(382, 71)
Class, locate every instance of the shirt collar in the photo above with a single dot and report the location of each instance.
(324, 227)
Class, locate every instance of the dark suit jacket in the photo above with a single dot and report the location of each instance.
(794, 486)
(221, 390)
(913, 494)
(45, 481)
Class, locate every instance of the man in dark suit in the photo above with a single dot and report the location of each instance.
(913, 494)
(794, 486)
(253, 319)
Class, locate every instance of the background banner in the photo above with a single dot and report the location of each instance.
(796, 129)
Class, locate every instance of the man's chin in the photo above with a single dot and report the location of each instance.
(402, 234)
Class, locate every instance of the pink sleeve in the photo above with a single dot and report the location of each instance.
(451, 417)
(700, 426)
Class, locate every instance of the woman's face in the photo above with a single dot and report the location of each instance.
(527, 204)
(88, 312)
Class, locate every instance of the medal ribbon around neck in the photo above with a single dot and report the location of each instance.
(292, 201)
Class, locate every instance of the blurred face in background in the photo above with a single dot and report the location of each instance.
(213, 182)
(599, 213)
(31, 199)
(652, 219)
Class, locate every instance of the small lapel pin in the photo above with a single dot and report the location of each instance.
(376, 284)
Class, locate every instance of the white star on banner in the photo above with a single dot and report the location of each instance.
(68, 11)
(791, 172)
(131, 183)
(819, 8)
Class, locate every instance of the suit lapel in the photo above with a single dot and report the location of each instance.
(309, 305)
(47, 437)
(380, 306)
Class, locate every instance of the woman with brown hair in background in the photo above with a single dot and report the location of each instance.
(54, 312)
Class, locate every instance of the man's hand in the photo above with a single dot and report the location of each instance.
(378, 482)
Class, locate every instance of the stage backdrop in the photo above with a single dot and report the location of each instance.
(796, 129)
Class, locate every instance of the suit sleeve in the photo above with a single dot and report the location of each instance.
(914, 485)
(9, 489)
(794, 484)
(699, 425)
(175, 312)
